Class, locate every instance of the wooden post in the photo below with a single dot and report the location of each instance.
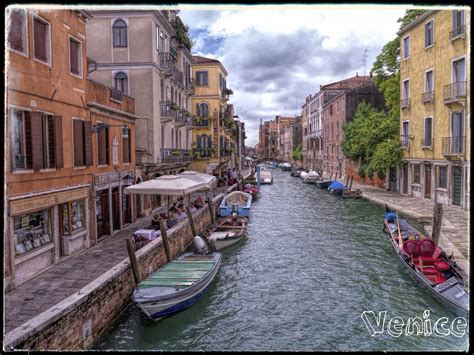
(191, 221)
(352, 179)
(133, 260)
(437, 219)
(347, 179)
(164, 238)
(211, 211)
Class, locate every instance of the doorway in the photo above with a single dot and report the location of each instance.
(457, 180)
(102, 213)
(428, 181)
(116, 208)
(405, 179)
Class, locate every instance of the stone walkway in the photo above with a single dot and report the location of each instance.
(73, 273)
(454, 236)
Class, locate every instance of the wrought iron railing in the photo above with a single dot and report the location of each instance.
(458, 31)
(203, 152)
(167, 111)
(176, 155)
(405, 103)
(453, 145)
(179, 76)
(427, 96)
(455, 91)
(166, 61)
(404, 142)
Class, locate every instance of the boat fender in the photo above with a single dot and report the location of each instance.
(200, 245)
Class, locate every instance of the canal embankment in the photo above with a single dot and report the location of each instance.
(69, 305)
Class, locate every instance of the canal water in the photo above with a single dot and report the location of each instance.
(312, 264)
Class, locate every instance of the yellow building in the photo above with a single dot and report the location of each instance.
(214, 135)
(435, 106)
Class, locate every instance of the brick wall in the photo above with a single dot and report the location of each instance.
(76, 322)
(352, 168)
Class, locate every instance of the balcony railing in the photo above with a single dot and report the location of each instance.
(166, 110)
(179, 76)
(405, 103)
(453, 145)
(315, 134)
(426, 143)
(404, 142)
(176, 155)
(458, 31)
(455, 92)
(225, 153)
(190, 84)
(203, 152)
(203, 123)
(167, 62)
(427, 96)
(115, 94)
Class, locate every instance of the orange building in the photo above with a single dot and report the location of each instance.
(53, 142)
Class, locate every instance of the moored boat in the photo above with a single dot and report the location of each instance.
(227, 231)
(266, 177)
(428, 264)
(177, 285)
(285, 166)
(311, 177)
(236, 201)
(324, 184)
(297, 171)
(337, 188)
(253, 190)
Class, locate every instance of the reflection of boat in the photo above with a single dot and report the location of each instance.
(337, 188)
(285, 166)
(310, 178)
(297, 171)
(428, 264)
(236, 201)
(227, 231)
(266, 177)
(253, 190)
(177, 285)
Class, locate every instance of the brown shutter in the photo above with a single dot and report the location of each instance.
(74, 53)
(197, 110)
(88, 142)
(37, 140)
(28, 145)
(78, 143)
(101, 146)
(40, 40)
(51, 139)
(15, 35)
(126, 147)
(58, 141)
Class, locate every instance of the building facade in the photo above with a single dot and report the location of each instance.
(435, 107)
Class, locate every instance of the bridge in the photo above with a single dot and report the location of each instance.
(262, 159)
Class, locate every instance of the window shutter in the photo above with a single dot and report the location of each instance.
(37, 140)
(58, 141)
(74, 53)
(88, 142)
(78, 143)
(455, 19)
(209, 141)
(126, 148)
(198, 110)
(198, 139)
(15, 35)
(51, 142)
(101, 147)
(40, 40)
(28, 141)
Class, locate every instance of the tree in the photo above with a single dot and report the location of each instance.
(409, 16)
(296, 155)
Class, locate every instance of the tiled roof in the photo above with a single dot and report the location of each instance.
(347, 84)
(198, 59)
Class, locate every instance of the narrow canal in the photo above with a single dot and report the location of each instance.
(312, 264)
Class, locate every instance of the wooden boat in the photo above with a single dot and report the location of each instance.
(177, 285)
(337, 188)
(311, 177)
(428, 264)
(253, 190)
(266, 177)
(297, 171)
(285, 166)
(236, 201)
(227, 231)
(324, 184)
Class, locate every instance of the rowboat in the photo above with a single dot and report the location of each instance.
(337, 188)
(227, 231)
(428, 264)
(253, 190)
(177, 285)
(311, 177)
(236, 201)
(266, 177)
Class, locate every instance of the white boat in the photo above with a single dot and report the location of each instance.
(311, 177)
(266, 177)
(227, 231)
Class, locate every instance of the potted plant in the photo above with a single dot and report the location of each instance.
(175, 152)
(174, 107)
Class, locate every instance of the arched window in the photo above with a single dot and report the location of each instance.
(203, 110)
(120, 33)
(121, 82)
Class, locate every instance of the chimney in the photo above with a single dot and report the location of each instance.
(357, 74)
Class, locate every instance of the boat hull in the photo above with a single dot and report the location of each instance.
(323, 184)
(227, 242)
(243, 211)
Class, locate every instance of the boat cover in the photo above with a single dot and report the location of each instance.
(237, 198)
(336, 185)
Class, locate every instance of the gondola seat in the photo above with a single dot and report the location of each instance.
(411, 248)
(441, 265)
(427, 247)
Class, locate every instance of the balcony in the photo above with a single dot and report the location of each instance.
(458, 32)
(190, 85)
(405, 103)
(115, 94)
(404, 142)
(202, 123)
(178, 77)
(203, 152)
(453, 146)
(167, 65)
(455, 92)
(225, 152)
(176, 155)
(167, 111)
(427, 97)
(426, 143)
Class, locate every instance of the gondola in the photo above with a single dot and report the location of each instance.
(428, 264)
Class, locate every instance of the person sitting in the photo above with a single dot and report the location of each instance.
(198, 203)
(155, 222)
(171, 221)
(192, 207)
(180, 215)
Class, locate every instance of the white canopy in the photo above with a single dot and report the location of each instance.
(208, 180)
(174, 185)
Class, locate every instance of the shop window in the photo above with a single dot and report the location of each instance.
(73, 217)
(416, 173)
(31, 231)
(443, 177)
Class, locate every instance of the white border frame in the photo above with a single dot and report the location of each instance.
(403, 47)
(27, 37)
(433, 33)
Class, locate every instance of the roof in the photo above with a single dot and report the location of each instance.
(203, 60)
(415, 22)
(347, 84)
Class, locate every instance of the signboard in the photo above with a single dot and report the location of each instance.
(115, 151)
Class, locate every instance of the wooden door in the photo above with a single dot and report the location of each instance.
(405, 179)
(428, 181)
(116, 209)
(457, 179)
(104, 223)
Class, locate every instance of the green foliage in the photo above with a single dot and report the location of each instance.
(386, 155)
(297, 155)
(409, 16)
(182, 34)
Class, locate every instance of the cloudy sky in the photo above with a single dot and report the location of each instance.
(277, 55)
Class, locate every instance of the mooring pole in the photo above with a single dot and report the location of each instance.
(437, 219)
(191, 221)
(133, 260)
(209, 204)
(164, 238)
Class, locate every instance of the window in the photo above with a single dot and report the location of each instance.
(458, 71)
(31, 231)
(458, 22)
(17, 32)
(201, 78)
(38, 130)
(429, 83)
(443, 177)
(330, 109)
(121, 82)
(406, 89)
(119, 30)
(221, 81)
(429, 34)
(428, 131)
(416, 173)
(203, 110)
(75, 56)
(406, 47)
(41, 40)
(103, 146)
(82, 135)
(126, 144)
(73, 217)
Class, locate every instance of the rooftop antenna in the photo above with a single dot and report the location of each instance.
(364, 60)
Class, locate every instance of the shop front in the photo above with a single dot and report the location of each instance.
(113, 208)
(46, 227)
